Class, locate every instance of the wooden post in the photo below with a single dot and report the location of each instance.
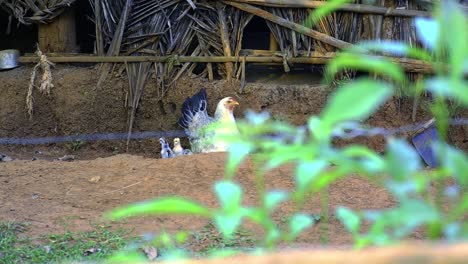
(225, 40)
(60, 34)
(273, 43)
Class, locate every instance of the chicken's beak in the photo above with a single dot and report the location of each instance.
(235, 102)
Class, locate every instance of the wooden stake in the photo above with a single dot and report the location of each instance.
(209, 66)
(273, 43)
(225, 40)
(242, 84)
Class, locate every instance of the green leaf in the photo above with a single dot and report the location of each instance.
(287, 153)
(230, 216)
(272, 235)
(324, 10)
(454, 161)
(355, 101)
(460, 209)
(237, 153)
(165, 240)
(455, 34)
(428, 31)
(274, 198)
(452, 232)
(370, 161)
(330, 176)
(228, 223)
(306, 172)
(320, 131)
(174, 255)
(411, 215)
(229, 194)
(298, 223)
(372, 64)
(161, 206)
(402, 159)
(456, 89)
(401, 221)
(350, 219)
(256, 215)
(392, 48)
(257, 119)
(402, 189)
(181, 237)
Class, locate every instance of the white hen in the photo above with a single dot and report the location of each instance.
(195, 120)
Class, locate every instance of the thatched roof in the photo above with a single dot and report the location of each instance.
(35, 11)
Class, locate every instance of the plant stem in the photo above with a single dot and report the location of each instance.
(324, 226)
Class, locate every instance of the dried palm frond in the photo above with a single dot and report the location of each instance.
(45, 84)
(290, 42)
(207, 30)
(35, 11)
(134, 27)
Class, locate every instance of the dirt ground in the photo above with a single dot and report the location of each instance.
(57, 195)
(54, 195)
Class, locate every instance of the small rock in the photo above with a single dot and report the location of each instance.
(151, 252)
(67, 158)
(47, 249)
(5, 158)
(91, 251)
(35, 196)
(33, 159)
(95, 179)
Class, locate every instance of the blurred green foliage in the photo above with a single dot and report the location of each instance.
(318, 163)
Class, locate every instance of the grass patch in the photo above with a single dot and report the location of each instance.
(97, 244)
(209, 239)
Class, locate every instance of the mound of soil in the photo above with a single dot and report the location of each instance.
(76, 107)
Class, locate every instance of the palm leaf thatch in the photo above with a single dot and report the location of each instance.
(134, 27)
(207, 30)
(35, 11)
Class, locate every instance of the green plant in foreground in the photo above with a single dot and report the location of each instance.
(318, 163)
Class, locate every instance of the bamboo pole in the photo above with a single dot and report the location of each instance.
(225, 39)
(356, 8)
(410, 65)
(291, 25)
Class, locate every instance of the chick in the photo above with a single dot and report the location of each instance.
(178, 150)
(166, 151)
